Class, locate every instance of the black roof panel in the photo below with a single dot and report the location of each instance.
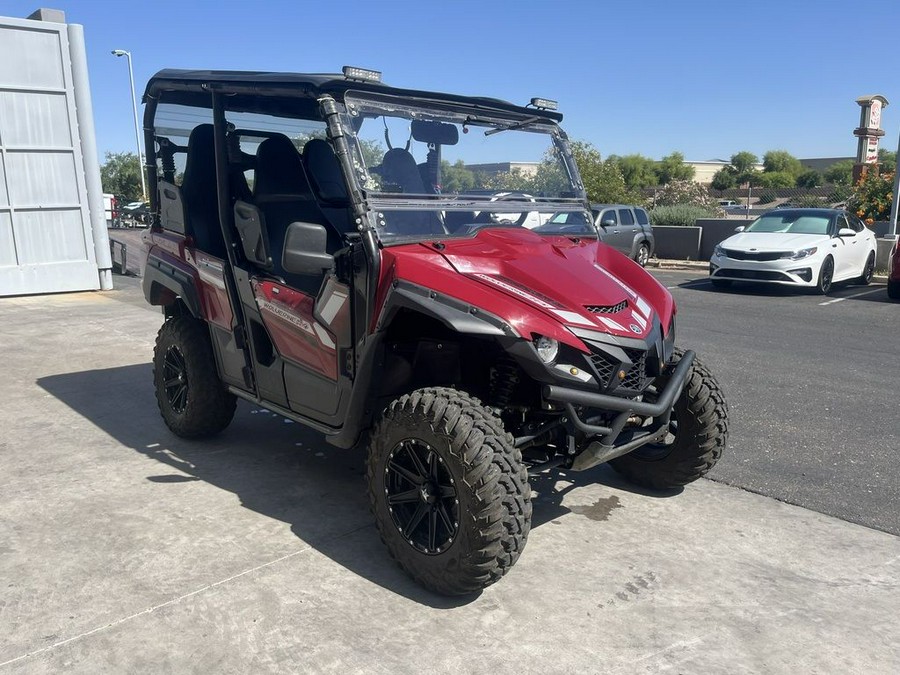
(249, 82)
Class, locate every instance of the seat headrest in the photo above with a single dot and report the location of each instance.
(324, 172)
(279, 169)
(399, 168)
(200, 164)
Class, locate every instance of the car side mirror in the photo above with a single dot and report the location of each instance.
(739, 228)
(609, 222)
(306, 249)
(846, 232)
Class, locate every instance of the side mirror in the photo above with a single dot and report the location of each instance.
(609, 222)
(846, 232)
(305, 249)
(739, 228)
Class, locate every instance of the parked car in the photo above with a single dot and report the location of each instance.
(893, 284)
(726, 203)
(460, 359)
(797, 247)
(626, 228)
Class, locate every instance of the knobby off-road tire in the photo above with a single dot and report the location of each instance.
(191, 398)
(699, 425)
(448, 490)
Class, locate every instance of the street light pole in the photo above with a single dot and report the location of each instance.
(137, 132)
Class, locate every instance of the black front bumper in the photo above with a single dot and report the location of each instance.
(609, 442)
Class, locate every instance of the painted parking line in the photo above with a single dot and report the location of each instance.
(850, 297)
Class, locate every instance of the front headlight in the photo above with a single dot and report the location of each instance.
(801, 254)
(547, 348)
(719, 251)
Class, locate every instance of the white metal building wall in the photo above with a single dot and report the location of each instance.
(48, 239)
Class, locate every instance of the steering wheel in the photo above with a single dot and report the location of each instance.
(512, 196)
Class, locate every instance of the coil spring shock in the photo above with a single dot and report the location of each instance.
(504, 378)
(167, 154)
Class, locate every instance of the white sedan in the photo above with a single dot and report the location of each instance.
(797, 247)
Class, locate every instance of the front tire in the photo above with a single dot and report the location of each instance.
(697, 439)
(192, 400)
(893, 290)
(448, 490)
(826, 275)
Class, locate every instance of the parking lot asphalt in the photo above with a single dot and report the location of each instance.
(126, 549)
(814, 386)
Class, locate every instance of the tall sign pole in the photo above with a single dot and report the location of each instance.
(868, 132)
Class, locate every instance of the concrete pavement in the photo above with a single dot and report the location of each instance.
(126, 549)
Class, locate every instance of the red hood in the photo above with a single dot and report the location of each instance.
(556, 276)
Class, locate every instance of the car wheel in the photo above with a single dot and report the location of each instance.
(642, 257)
(893, 290)
(868, 271)
(448, 490)
(826, 274)
(698, 432)
(192, 400)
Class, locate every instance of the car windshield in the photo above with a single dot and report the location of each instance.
(446, 171)
(791, 223)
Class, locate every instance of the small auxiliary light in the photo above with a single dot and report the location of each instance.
(361, 74)
(544, 103)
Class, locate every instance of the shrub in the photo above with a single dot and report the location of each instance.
(680, 192)
(841, 193)
(767, 197)
(872, 196)
(683, 215)
(807, 201)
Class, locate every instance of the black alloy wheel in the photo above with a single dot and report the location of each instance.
(868, 271)
(175, 379)
(826, 275)
(422, 496)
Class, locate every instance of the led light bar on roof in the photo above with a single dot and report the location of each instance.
(544, 103)
(361, 74)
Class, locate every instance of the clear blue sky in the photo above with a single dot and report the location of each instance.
(708, 78)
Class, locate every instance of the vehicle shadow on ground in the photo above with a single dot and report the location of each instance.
(840, 290)
(278, 469)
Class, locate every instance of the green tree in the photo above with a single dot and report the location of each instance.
(887, 160)
(724, 178)
(809, 179)
(840, 173)
(781, 161)
(637, 170)
(684, 192)
(744, 162)
(603, 181)
(456, 177)
(120, 175)
(672, 167)
(773, 179)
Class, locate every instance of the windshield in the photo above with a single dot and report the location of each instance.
(442, 171)
(791, 223)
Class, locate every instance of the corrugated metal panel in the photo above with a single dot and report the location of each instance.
(45, 236)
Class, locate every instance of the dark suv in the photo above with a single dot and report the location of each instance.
(624, 227)
(309, 258)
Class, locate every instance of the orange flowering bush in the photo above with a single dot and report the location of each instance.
(872, 196)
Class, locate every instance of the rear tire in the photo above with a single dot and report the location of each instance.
(448, 490)
(192, 400)
(826, 275)
(868, 271)
(642, 257)
(699, 432)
